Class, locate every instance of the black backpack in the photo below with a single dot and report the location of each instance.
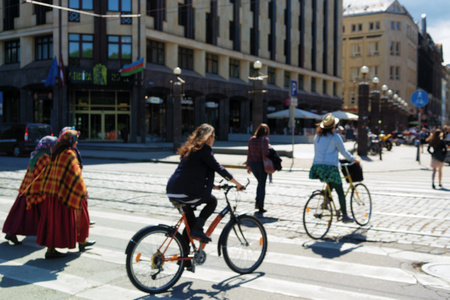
(275, 158)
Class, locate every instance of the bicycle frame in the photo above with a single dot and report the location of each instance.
(183, 219)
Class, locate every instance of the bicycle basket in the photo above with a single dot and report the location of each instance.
(355, 171)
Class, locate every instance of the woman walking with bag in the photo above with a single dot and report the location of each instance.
(258, 149)
(437, 155)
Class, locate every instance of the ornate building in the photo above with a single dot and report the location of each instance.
(214, 43)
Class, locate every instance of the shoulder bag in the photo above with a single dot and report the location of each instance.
(268, 164)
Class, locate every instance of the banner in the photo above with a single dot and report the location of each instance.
(52, 73)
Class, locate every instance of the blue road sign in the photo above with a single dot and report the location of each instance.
(419, 98)
(293, 88)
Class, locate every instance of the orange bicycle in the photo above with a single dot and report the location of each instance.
(158, 254)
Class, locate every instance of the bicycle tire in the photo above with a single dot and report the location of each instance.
(374, 149)
(244, 244)
(144, 257)
(317, 216)
(361, 204)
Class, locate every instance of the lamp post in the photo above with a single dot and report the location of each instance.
(383, 100)
(177, 94)
(363, 106)
(375, 108)
(257, 91)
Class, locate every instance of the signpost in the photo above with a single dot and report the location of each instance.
(292, 105)
(419, 99)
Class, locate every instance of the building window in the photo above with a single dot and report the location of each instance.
(359, 27)
(185, 58)
(11, 11)
(287, 79)
(353, 27)
(397, 73)
(377, 25)
(354, 74)
(119, 5)
(313, 84)
(235, 68)
(373, 49)
(81, 45)
(397, 26)
(371, 26)
(212, 63)
(301, 84)
(373, 72)
(271, 75)
(12, 52)
(397, 48)
(334, 89)
(324, 86)
(394, 73)
(356, 50)
(119, 47)
(43, 47)
(154, 7)
(78, 4)
(155, 52)
(394, 48)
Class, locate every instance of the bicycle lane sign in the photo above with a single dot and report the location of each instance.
(419, 98)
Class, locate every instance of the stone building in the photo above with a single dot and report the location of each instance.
(381, 35)
(215, 43)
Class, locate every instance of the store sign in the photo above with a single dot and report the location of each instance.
(97, 75)
(211, 105)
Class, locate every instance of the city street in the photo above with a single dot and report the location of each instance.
(409, 228)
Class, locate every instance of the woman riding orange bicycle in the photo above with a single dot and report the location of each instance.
(193, 180)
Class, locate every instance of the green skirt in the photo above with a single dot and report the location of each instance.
(326, 173)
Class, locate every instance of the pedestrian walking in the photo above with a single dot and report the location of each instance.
(438, 150)
(24, 215)
(193, 180)
(327, 146)
(258, 145)
(64, 191)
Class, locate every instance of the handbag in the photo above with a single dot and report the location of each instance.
(268, 164)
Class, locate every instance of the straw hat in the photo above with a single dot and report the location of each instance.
(328, 121)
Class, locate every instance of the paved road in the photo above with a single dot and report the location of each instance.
(409, 227)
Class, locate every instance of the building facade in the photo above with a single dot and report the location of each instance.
(213, 42)
(381, 35)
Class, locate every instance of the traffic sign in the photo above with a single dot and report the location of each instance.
(293, 88)
(419, 98)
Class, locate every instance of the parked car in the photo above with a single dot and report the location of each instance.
(21, 138)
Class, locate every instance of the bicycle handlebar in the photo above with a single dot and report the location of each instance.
(227, 186)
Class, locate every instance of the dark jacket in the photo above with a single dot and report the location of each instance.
(275, 158)
(439, 152)
(194, 176)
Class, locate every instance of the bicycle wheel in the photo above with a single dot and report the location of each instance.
(244, 244)
(374, 149)
(148, 262)
(317, 215)
(361, 204)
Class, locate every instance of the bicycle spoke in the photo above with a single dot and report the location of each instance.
(317, 216)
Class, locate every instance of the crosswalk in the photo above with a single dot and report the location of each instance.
(293, 268)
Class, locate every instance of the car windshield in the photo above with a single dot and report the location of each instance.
(38, 131)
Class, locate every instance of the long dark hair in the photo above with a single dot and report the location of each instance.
(262, 130)
(324, 131)
(435, 138)
(196, 140)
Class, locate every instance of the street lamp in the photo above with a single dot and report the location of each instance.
(363, 106)
(375, 108)
(257, 91)
(177, 94)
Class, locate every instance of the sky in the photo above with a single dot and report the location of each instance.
(438, 20)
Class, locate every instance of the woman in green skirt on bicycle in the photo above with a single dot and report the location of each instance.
(327, 146)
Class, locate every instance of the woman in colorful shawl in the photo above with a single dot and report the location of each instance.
(24, 215)
(65, 195)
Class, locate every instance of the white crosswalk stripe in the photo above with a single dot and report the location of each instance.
(119, 230)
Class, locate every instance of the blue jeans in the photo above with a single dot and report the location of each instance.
(257, 168)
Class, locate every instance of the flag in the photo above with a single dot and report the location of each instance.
(62, 72)
(52, 73)
(133, 68)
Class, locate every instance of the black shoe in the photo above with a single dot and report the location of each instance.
(347, 219)
(82, 246)
(434, 187)
(12, 238)
(54, 254)
(92, 223)
(197, 234)
(440, 185)
(262, 210)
